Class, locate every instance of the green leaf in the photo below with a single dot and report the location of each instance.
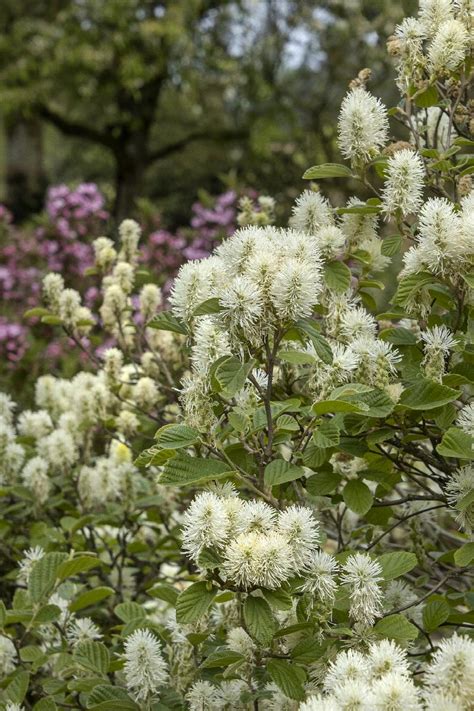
(279, 599)
(38, 311)
(3, 614)
(410, 285)
(376, 403)
(80, 564)
(176, 436)
(435, 612)
(231, 375)
(116, 705)
(323, 483)
(396, 627)
(165, 321)
(464, 555)
(296, 357)
(193, 602)
(329, 406)
(222, 658)
(289, 677)
(326, 435)
(90, 597)
(391, 245)
(45, 705)
(327, 170)
(51, 320)
(47, 614)
(210, 306)
(105, 692)
(259, 619)
(279, 471)
(321, 346)
(428, 97)
(396, 564)
(129, 611)
(43, 575)
(183, 470)
(466, 501)
(399, 336)
(154, 456)
(456, 443)
(337, 276)
(31, 653)
(358, 496)
(427, 395)
(17, 688)
(93, 656)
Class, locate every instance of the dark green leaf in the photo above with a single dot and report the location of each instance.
(194, 602)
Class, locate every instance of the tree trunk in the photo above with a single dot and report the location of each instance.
(25, 178)
(131, 164)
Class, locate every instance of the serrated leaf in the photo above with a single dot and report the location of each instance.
(456, 443)
(465, 555)
(210, 306)
(231, 375)
(331, 406)
(398, 336)
(396, 564)
(45, 705)
(427, 395)
(154, 456)
(327, 170)
(79, 564)
(128, 611)
(280, 471)
(337, 276)
(184, 470)
(194, 602)
(92, 655)
(176, 436)
(47, 614)
(323, 483)
(259, 619)
(289, 677)
(326, 435)
(43, 575)
(391, 245)
(435, 612)
(428, 97)
(105, 692)
(165, 321)
(396, 627)
(358, 496)
(165, 592)
(222, 658)
(321, 345)
(279, 599)
(17, 688)
(90, 597)
(409, 286)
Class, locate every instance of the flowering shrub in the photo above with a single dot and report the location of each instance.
(263, 497)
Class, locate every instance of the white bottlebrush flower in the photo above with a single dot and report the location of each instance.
(242, 305)
(409, 37)
(210, 343)
(433, 13)
(145, 393)
(69, 303)
(230, 694)
(8, 656)
(299, 527)
(375, 259)
(238, 253)
(404, 183)
(358, 228)
(331, 241)
(82, 629)
(11, 461)
(277, 701)
(437, 701)
(320, 577)
(34, 424)
(386, 657)
(295, 290)
(356, 322)
(395, 692)
(123, 275)
(256, 517)
(151, 299)
(362, 575)
(460, 485)
(53, 285)
(349, 665)
(311, 212)
(363, 126)
(35, 477)
(129, 233)
(441, 240)
(105, 253)
(11, 706)
(438, 339)
(399, 594)
(239, 641)
(319, 703)
(205, 524)
(113, 363)
(145, 667)
(190, 289)
(451, 670)
(30, 557)
(58, 449)
(449, 47)
(254, 559)
(351, 695)
(203, 696)
(465, 419)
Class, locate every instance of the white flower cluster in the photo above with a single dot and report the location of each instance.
(145, 667)
(382, 679)
(257, 545)
(459, 487)
(435, 43)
